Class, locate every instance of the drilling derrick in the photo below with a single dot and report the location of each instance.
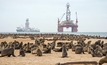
(27, 24)
(68, 13)
(68, 22)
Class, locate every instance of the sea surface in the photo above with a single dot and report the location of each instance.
(101, 34)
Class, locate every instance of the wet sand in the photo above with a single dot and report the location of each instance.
(46, 59)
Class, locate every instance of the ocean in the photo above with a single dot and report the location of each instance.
(101, 34)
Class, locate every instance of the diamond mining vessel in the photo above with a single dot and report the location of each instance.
(27, 28)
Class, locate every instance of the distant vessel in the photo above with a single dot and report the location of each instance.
(27, 28)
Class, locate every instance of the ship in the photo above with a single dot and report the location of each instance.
(27, 28)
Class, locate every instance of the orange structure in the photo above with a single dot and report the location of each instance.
(68, 22)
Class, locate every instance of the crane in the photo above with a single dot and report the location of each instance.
(61, 17)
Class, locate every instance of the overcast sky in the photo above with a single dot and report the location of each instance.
(43, 14)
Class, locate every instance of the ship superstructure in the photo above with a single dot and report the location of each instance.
(27, 28)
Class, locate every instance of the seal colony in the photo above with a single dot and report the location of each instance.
(51, 48)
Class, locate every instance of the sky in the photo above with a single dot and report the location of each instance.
(44, 14)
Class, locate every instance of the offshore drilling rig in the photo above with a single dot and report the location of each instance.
(68, 22)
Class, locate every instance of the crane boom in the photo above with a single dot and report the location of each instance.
(62, 17)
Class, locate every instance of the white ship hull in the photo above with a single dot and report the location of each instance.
(27, 30)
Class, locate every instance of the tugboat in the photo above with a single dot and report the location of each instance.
(27, 28)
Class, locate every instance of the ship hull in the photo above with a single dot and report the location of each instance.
(27, 31)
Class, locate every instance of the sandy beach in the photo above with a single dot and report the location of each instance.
(46, 59)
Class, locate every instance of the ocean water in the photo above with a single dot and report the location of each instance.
(101, 34)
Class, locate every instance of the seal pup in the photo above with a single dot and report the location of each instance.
(39, 52)
(21, 52)
(64, 51)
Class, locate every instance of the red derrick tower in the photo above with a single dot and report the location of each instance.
(68, 22)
